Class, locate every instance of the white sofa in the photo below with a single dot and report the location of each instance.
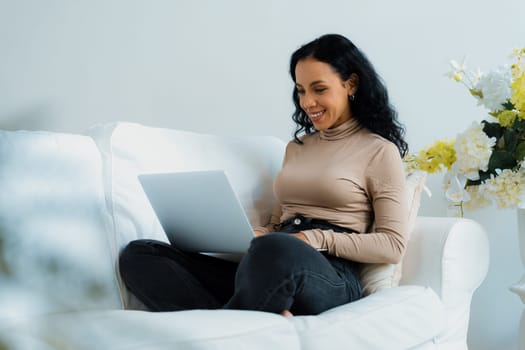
(69, 203)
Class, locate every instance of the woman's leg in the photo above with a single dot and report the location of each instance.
(164, 278)
(280, 272)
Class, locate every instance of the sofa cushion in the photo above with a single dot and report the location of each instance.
(53, 233)
(375, 277)
(130, 149)
(128, 329)
(396, 318)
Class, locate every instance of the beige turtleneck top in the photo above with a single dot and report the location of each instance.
(350, 177)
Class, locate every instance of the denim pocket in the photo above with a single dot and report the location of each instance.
(349, 271)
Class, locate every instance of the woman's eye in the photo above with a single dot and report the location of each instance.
(300, 92)
(320, 90)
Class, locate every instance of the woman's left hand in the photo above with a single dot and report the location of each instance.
(301, 236)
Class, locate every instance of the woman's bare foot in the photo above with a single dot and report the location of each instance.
(286, 313)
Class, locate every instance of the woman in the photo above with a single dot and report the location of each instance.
(341, 202)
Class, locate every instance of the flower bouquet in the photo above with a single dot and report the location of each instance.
(484, 164)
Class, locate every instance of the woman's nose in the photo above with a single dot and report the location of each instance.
(307, 101)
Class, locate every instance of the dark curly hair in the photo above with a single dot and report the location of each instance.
(370, 106)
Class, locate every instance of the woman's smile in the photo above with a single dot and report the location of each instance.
(316, 116)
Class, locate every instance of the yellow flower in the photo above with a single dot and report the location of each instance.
(518, 68)
(518, 96)
(434, 158)
(516, 71)
(506, 118)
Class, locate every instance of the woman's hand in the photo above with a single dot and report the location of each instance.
(301, 236)
(259, 232)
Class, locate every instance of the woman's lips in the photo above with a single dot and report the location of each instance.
(314, 117)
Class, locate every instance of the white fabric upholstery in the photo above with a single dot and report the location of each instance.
(389, 319)
(67, 208)
(130, 149)
(129, 329)
(54, 225)
(449, 255)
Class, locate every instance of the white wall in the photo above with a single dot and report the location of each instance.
(221, 67)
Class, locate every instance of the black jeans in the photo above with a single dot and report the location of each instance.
(278, 272)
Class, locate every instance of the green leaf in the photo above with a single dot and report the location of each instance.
(519, 124)
(492, 129)
(4, 266)
(511, 139)
(3, 345)
(483, 175)
(501, 160)
(475, 92)
(519, 154)
(473, 183)
(508, 105)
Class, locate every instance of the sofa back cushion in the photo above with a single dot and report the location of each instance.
(375, 277)
(130, 149)
(54, 254)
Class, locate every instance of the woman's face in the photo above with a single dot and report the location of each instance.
(323, 96)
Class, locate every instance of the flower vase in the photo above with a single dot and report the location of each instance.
(519, 287)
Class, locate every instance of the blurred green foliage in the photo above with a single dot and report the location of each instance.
(4, 266)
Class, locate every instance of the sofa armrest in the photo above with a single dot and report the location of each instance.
(451, 256)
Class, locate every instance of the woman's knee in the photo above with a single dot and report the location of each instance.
(275, 242)
(135, 250)
(279, 248)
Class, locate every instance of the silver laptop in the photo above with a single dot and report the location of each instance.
(199, 211)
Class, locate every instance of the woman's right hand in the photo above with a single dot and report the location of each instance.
(259, 232)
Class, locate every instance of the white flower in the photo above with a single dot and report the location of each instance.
(476, 76)
(458, 70)
(505, 189)
(473, 149)
(477, 198)
(454, 185)
(495, 88)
